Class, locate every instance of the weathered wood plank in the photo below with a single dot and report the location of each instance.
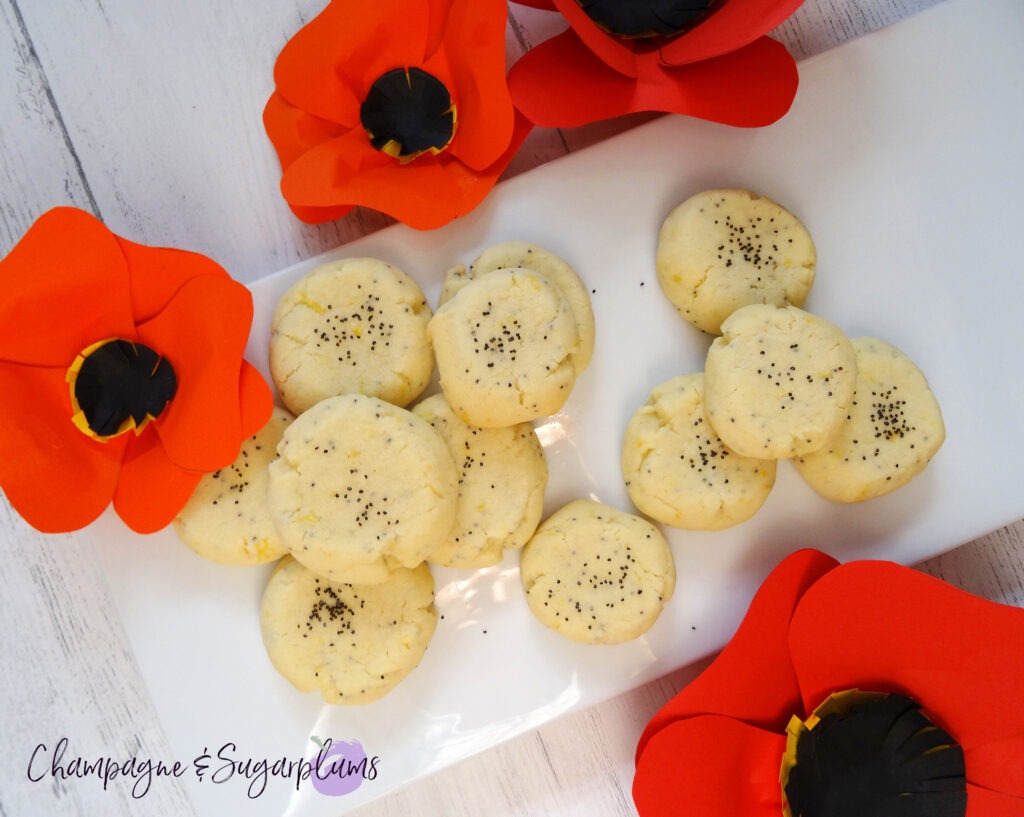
(40, 167)
(69, 673)
(819, 25)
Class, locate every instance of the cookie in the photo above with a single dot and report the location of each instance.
(596, 574)
(524, 255)
(502, 479)
(723, 249)
(226, 520)
(351, 643)
(361, 487)
(890, 433)
(778, 381)
(677, 469)
(355, 325)
(504, 346)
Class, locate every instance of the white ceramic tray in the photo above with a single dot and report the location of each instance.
(902, 155)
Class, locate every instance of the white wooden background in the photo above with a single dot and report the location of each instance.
(146, 113)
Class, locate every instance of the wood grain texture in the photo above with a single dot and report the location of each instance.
(823, 24)
(147, 113)
(68, 674)
(39, 164)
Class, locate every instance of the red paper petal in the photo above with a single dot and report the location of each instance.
(347, 170)
(474, 186)
(729, 27)
(751, 87)
(438, 21)
(616, 53)
(876, 625)
(474, 50)
(65, 287)
(157, 274)
(320, 215)
(152, 489)
(293, 131)
(709, 766)
(987, 803)
(203, 334)
(561, 84)
(55, 477)
(752, 679)
(425, 193)
(537, 4)
(255, 399)
(327, 67)
(998, 765)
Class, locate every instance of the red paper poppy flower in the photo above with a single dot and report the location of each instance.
(940, 732)
(121, 375)
(397, 105)
(708, 59)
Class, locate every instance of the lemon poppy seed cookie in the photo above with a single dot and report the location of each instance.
(723, 249)
(361, 487)
(891, 431)
(355, 325)
(596, 574)
(351, 643)
(778, 381)
(504, 346)
(524, 255)
(677, 469)
(502, 479)
(226, 520)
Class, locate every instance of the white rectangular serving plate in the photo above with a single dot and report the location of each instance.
(902, 154)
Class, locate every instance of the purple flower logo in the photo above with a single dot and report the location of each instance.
(340, 767)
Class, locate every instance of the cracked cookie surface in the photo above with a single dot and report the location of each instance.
(361, 487)
(778, 381)
(524, 255)
(351, 643)
(723, 249)
(502, 477)
(504, 346)
(596, 574)
(354, 325)
(226, 519)
(892, 429)
(677, 469)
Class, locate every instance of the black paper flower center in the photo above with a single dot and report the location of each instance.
(408, 112)
(879, 756)
(645, 18)
(118, 385)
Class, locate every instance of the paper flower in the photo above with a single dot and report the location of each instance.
(814, 629)
(704, 58)
(397, 105)
(121, 375)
